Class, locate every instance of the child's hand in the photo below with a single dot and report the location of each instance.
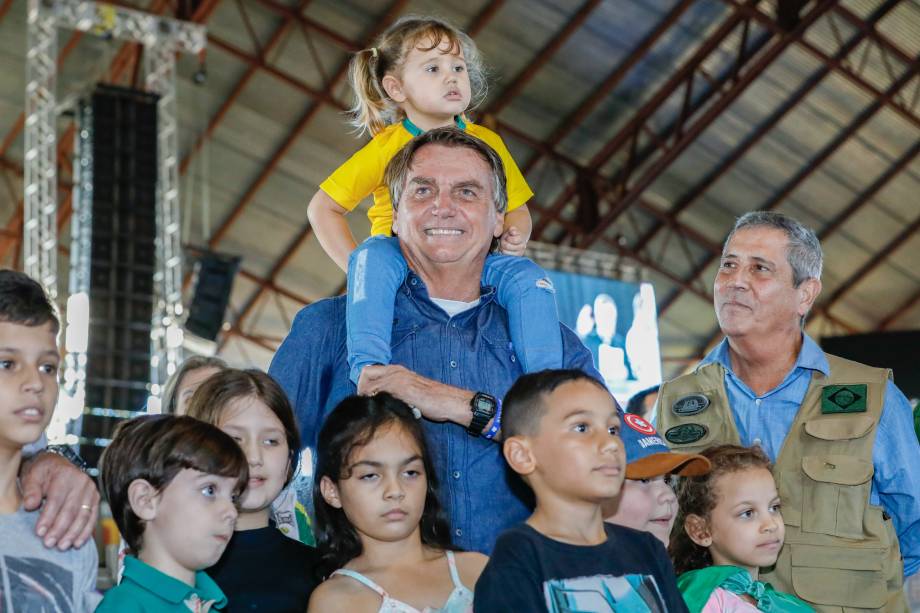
(512, 242)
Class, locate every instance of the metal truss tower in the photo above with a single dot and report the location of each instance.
(162, 38)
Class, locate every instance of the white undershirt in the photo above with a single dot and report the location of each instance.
(455, 307)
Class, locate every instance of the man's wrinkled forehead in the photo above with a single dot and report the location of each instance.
(757, 243)
(434, 164)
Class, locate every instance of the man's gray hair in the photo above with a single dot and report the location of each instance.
(803, 251)
(398, 169)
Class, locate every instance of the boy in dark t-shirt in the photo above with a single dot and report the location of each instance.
(561, 430)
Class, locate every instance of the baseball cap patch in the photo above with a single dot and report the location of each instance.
(648, 456)
(637, 423)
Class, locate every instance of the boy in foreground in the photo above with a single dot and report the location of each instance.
(32, 576)
(172, 483)
(561, 430)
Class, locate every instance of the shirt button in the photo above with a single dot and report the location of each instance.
(757, 402)
(414, 281)
(513, 359)
(458, 532)
(757, 442)
(456, 474)
(453, 363)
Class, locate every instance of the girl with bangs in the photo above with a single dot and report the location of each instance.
(261, 569)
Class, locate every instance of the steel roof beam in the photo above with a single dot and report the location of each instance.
(631, 130)
(544, 149)
(877, 258)
(119, 64)
(612, 80)
(867, 29)
(294, 133)
(543, 56)
(273, 286)
(899, 312)
(870, 192)
(391, 14)
(761, 63)
(273, 41)
(729, 160)
(812, 165)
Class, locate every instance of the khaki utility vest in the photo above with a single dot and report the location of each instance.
(841, 553)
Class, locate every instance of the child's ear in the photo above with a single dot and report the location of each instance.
(697, 529)
(393, 87)
(519, 455)
(144, 499)
(330, 492)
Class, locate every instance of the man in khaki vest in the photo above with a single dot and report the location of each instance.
(847, 462)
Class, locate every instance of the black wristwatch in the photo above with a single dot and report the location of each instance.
(483, 407)
(66, 452)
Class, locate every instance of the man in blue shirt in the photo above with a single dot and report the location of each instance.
(847, 462)
(451, 350)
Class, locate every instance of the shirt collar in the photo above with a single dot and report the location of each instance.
(415, 289)
(169, 588)
(811, 356)
(414, 130)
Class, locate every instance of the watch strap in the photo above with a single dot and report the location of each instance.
(480, 417)
(66, 452)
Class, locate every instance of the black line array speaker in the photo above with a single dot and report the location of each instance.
(214, 274)
(124, 170)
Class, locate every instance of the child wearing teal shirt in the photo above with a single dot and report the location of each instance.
(172, 484)
(144, 588)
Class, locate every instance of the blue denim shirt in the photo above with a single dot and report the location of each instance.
(768, 418)
(471, 351)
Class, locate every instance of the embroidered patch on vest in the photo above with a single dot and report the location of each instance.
(685, 434)
(844, 398)
(690, 405)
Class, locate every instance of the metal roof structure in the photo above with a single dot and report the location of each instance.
(643, 126)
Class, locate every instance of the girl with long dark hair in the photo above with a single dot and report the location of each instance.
(379, 525)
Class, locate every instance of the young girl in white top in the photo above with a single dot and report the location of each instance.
(379, 525)
(729, 526)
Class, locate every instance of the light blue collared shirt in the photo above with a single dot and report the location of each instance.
(766, 419)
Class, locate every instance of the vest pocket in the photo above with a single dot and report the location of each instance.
(835, 493)
(848, 577)
(839, 428)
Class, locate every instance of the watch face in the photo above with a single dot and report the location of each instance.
(484, 405)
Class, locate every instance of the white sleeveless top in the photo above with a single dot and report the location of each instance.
(459, 601)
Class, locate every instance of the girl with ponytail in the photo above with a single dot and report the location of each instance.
(422, 73)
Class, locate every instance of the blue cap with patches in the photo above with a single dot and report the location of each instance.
(647, 455)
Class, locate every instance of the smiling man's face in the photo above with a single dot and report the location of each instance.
(446, 214)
